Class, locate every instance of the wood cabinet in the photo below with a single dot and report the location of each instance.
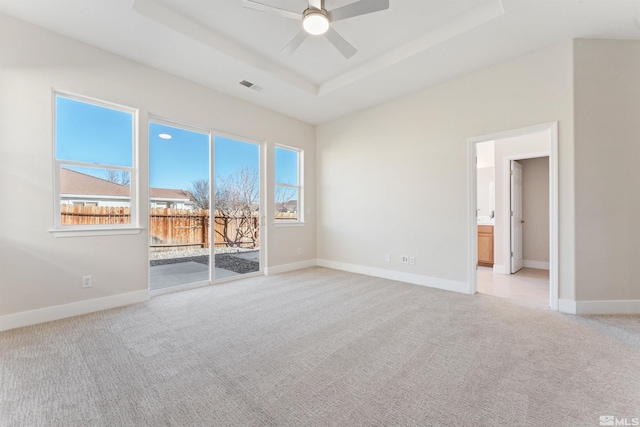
(485, 245)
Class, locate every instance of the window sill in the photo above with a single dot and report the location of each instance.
(95, 232)
(289, 224)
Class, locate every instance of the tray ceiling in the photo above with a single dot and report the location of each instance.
(412, 45)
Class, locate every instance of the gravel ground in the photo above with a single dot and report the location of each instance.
(194, 252)
(224, 259)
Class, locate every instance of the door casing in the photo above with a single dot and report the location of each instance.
(551, 129)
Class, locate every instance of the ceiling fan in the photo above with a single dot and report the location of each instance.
(316, 20)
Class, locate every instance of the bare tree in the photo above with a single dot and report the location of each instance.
(237, 204)
(118, 177)
(285, 198)
(200, 192)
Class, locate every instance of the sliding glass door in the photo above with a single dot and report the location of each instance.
(237, 194)
(183, 226)
(179, 193)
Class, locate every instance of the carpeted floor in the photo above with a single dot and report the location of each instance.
(320, 347)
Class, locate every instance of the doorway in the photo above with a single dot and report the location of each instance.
(520, 144)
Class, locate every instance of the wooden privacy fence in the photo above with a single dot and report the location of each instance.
(169, 228)
(81, 215)
(173, 228)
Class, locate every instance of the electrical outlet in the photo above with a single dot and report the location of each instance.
(404, 259)
(387, 257)
(299, 251)
(412, 260)
(86, 281)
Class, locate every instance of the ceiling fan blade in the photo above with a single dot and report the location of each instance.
(340, 43)
(295, 43)
(270, 9)
(361, 7)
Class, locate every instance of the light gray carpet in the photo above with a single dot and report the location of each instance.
(323, 348)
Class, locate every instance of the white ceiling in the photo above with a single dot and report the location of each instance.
(412, 45)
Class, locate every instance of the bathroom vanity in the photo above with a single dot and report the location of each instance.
(485, 245)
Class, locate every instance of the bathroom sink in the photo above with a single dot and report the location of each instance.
(485, 220)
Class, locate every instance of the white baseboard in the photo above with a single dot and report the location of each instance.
(599, 307)
(284, 268)
(500, 269)
(26, 318)
(504, 269)
(567, 306)
(541, 265)
(608, 307)
(416, 279)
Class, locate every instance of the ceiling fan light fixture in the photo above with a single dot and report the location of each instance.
(315, 22)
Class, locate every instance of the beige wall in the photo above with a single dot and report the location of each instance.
(38, 270)
(607, 155)
(393, 179)
(535, 211)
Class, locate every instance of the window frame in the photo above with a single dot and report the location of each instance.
(300, 220)
(60, 230)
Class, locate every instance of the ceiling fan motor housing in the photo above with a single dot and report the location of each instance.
(315, 21)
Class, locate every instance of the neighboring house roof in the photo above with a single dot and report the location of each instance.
(78, 183)
(74, 182)
(170, 194)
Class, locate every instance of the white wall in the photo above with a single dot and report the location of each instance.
(393, 179)
(484, 154)
(607, 158)
(506, 149)
(38, 270)
(535, 212)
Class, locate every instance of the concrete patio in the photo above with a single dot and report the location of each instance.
(180, 273)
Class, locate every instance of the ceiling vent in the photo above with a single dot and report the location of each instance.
(251, 85)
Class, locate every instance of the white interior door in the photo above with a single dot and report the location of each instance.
(517, 261)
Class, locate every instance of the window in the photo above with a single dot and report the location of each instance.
(288, 185)
(94, 158)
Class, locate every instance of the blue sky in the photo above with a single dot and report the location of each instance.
(173, 163)
(177, 162)
(109, 131)
(286, 166)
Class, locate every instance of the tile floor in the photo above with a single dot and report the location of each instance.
(528, 285)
